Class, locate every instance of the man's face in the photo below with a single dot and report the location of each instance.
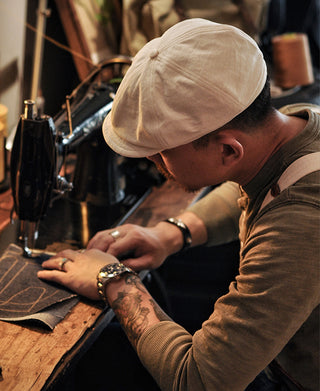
(192, 168)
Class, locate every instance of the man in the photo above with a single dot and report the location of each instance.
(196, 101)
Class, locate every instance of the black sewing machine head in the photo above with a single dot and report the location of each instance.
(68, 156)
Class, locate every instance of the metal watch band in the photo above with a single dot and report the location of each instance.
(187, 239)
(110, 273)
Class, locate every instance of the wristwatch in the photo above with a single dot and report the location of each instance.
(111, 272)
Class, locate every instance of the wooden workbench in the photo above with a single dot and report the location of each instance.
(33, 358)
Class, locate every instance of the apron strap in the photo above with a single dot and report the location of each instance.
(297, 170)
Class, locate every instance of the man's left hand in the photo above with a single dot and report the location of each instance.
(77, 270)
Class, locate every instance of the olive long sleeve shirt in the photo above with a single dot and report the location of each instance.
(272, 307)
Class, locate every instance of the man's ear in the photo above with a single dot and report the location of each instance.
(231, 150)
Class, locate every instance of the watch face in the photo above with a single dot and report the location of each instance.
(107, 273)
(111, 269)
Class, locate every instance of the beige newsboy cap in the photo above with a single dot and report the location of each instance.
(189, 82)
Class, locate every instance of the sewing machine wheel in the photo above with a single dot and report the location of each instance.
(114, 69)
(91, 94)
(109, 71)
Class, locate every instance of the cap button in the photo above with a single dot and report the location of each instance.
(154, 53)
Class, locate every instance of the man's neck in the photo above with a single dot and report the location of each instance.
(264, 143)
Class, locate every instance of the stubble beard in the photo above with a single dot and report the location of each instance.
(162, 169)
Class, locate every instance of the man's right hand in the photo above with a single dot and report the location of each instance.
(138, 247)
(148, 247)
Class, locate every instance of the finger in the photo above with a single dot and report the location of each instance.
(100, 243)
(52, 275)
(140, 263)
(121, 249)
(57, 263)
(51, 263)
(104, 239)
(63, 264)
(102, 246)
(93, 240)
(133, 263)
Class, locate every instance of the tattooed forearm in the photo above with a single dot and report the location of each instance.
(132, 314)
(135, 308)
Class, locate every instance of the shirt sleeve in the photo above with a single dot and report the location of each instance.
(220, 213)
(252, 323)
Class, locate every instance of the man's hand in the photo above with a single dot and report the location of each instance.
(131, 302)
(147, 248)
(77, 270)
(138, 247)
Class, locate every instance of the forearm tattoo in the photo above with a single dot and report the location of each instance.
(132, 312)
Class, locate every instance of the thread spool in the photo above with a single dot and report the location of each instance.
(292, 60)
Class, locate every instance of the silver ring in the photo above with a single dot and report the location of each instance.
(115, 234)
(62, 263)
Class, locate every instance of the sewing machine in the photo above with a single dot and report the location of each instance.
(63, 174)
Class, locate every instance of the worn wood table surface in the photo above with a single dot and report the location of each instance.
(32, 358)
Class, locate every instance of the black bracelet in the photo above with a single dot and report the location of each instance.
(187, 239)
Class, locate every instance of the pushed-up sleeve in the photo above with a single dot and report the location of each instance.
(220, 213)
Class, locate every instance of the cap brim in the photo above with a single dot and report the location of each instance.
(121, 146)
